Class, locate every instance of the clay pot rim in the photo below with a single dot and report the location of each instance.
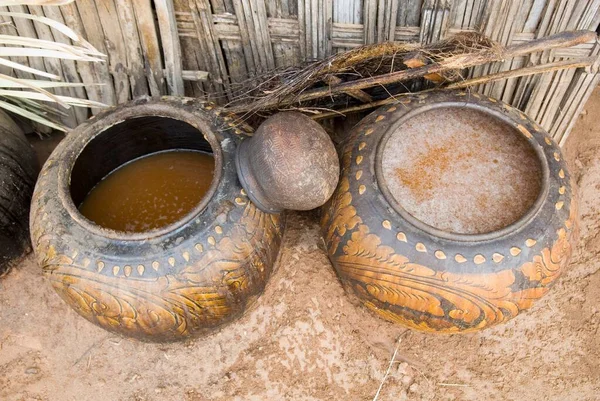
(518, 225)
(167, 107)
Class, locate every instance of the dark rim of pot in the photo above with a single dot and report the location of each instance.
(511, 228)
(102, 125)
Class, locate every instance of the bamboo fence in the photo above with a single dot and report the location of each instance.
(201, 47)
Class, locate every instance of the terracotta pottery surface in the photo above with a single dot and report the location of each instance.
(409, 260)
(173, 282)
(290, 163)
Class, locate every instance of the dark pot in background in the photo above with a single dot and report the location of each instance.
(18, 172)
(414, 273)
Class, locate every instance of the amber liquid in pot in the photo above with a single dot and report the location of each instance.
(150, 192)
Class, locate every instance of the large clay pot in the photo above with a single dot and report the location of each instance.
(389, 253)
(173, 282)
(18, 172)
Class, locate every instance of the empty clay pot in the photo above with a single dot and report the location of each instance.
(454, 212)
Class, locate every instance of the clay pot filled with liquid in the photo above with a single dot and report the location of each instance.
(454, 212)
(141, 225)
(150, 192)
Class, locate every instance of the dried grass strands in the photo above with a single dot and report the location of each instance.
(462, 51)
(366, 61)
(288, 82)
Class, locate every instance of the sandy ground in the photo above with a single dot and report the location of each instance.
(303, 340)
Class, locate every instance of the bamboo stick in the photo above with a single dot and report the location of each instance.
(357, 94)
(133, 47)
(167, 25)
(153, 64)
(538, 69)
(109, 31)
(519, 72)
(69, 67)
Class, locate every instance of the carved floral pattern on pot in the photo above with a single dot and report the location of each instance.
(168, 284)
(406, 273)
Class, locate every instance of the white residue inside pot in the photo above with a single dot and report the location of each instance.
(461, 170)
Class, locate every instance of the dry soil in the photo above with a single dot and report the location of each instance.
(303, 340)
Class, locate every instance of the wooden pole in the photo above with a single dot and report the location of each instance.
(538, 69)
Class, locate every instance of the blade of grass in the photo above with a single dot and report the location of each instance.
(38, 107)
(45, 44)
(73, 101)
(44, 20)
(36, 42)
(42, 92)
(18, 66)
(22, 83)
(32, 116)
(25, 102)
(25, 52)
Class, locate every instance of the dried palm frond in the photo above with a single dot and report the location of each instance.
(366, 61)
(376, 74)
(14, 95)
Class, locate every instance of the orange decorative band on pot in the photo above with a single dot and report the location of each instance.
(410, 271)
(172, 282)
